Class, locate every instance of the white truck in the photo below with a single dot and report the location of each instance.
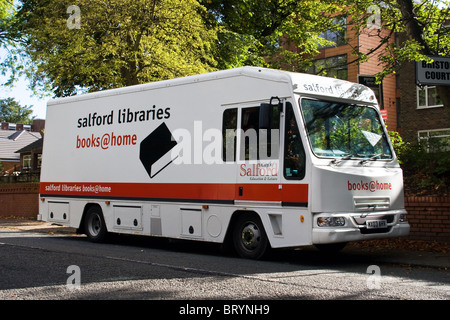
(255, 157)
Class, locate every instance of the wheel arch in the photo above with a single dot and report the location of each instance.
(228, 239)
(89, 205)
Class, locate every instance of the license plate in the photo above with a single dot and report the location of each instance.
(376, 224)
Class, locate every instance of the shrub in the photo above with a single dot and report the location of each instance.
(426, 165)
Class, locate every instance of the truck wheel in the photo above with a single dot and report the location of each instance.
(249, 238)
(94, 225)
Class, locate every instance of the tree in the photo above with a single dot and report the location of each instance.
(107, 44)
(7, 18)
(6, 14)
(97, 44)
(424, 25)
(277, 33)
(12, 111)
(285, 33)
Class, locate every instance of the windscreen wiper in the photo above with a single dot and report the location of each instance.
(347, 157)
(373, 158)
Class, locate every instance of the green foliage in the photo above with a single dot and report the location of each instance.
(277, 33)
(12, 111)
(118, 43)
(426, 166)
(400, 146)
(6, 16)
(422, 27)
(125, 42)
(423, 23)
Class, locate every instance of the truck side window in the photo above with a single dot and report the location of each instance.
(249, 138)
(294, 154)
(229, 126)
(256, 143)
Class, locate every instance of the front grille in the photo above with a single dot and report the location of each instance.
(371, 203)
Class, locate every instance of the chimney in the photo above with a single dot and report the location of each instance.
(38, 125)
(5, 125)
(19, 126)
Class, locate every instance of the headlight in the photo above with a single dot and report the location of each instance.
(403, 218)
(330, 221)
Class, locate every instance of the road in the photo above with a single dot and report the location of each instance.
(67, 267)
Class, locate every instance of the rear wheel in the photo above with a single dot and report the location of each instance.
(94, 225)
(249, 238)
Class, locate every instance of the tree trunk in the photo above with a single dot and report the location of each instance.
(415, 32)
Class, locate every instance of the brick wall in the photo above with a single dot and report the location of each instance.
(19, 200)
(429, 218)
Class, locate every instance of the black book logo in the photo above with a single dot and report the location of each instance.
(155, 152)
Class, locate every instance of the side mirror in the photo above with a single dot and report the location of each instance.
(266, 113)
(265, 116)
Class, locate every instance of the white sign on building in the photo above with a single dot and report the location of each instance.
(436, 73)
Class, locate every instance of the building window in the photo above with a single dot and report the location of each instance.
(339, 36)
(27, 161)
(334, 67)
(427, 97)
(439, 139)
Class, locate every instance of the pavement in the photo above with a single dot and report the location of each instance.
(397, 251)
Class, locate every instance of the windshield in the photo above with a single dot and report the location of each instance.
(345, 131)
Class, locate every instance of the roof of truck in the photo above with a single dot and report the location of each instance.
(301, 83)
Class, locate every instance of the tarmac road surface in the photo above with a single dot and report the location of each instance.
(56, 264)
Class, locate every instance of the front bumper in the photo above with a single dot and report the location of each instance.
(355, 230)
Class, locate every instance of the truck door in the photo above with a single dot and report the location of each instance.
(294, 188)
(258, 174)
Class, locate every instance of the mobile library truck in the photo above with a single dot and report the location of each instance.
(255, 157)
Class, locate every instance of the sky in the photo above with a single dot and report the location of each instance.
(22, 94)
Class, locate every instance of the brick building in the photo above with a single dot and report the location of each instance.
(14, 137)
(421, 114)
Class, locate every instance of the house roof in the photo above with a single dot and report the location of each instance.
(12, 141)
(34, 145)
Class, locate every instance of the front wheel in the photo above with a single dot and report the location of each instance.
(94, 225)
(249, 238)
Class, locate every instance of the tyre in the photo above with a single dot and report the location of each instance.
(94, 225)
(249, 237)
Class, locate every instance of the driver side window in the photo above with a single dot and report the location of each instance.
(294, 153)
